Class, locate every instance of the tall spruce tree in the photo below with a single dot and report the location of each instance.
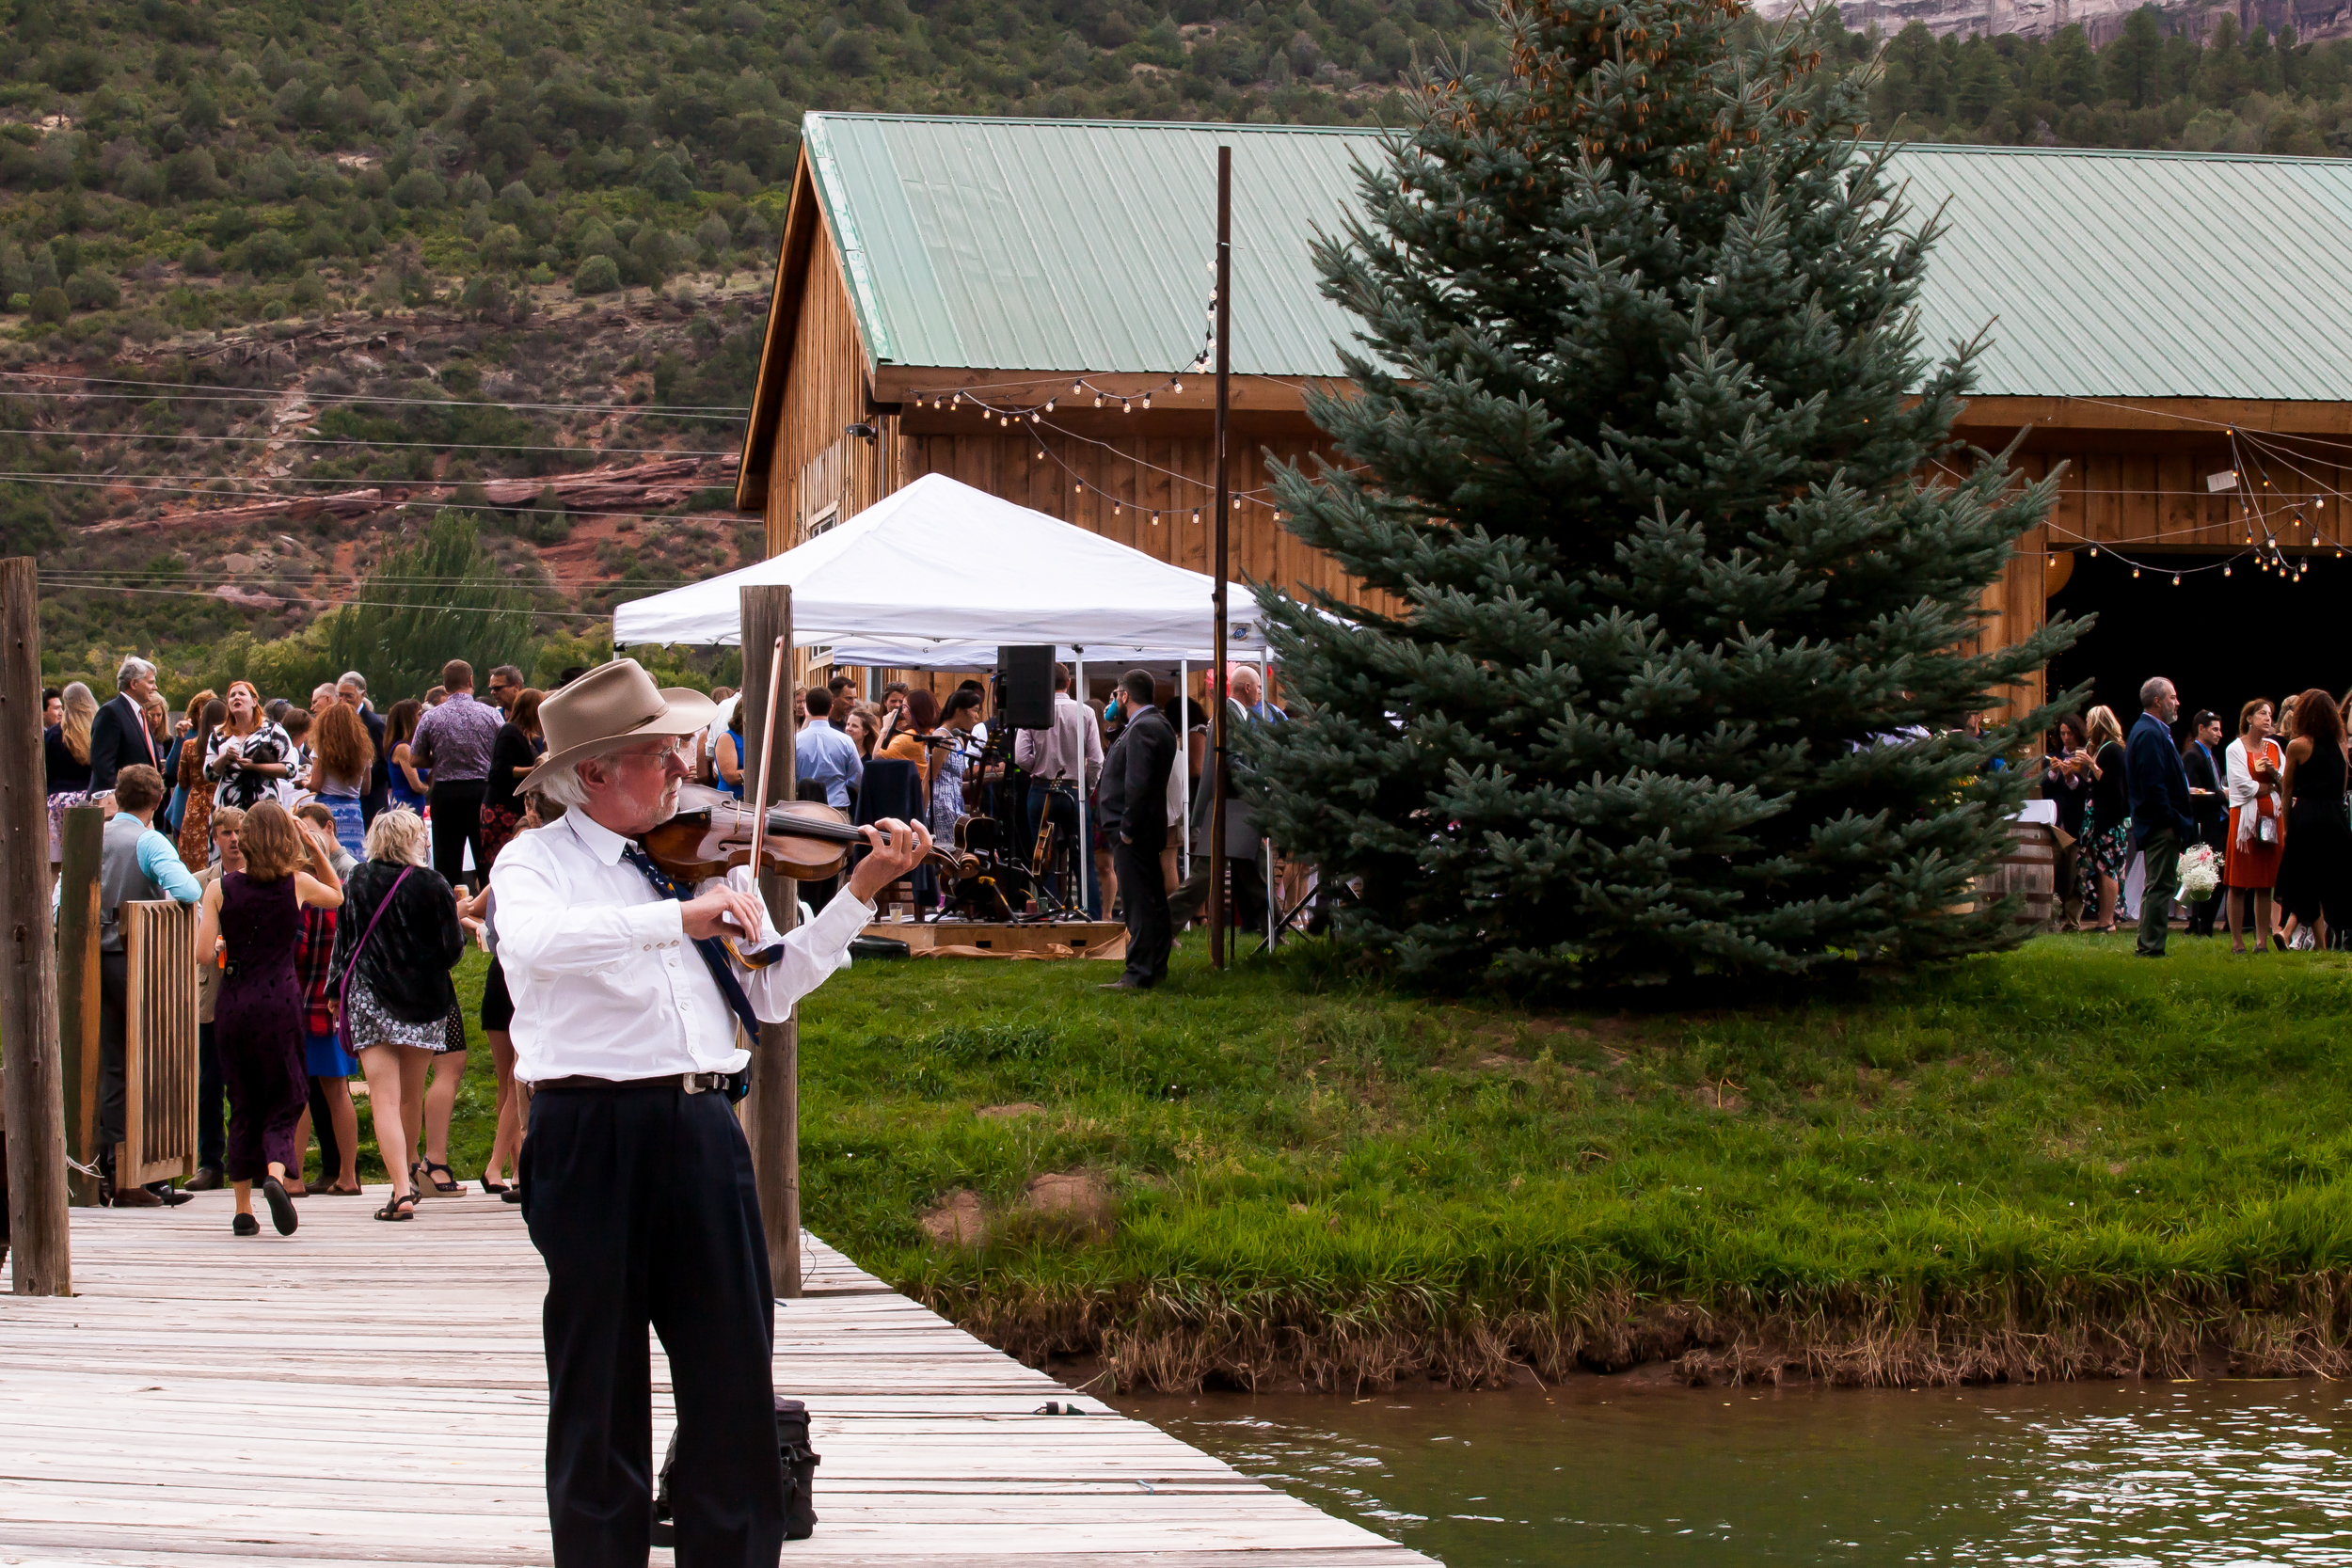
(1677, 563)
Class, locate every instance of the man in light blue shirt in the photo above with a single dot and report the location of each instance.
(135, 863)
(826, 756)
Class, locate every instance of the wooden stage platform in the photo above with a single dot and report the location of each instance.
(374, 1393)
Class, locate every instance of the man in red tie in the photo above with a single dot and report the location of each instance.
(118, 736)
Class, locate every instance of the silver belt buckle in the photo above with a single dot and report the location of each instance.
(693, 1084)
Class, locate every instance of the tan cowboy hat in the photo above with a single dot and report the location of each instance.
(607, 708)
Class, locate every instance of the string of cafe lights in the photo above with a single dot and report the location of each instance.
(2261, 501)
(1009, 412)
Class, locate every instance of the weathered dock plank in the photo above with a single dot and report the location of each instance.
(374, 1393)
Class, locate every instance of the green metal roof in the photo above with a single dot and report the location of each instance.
(1076, 245)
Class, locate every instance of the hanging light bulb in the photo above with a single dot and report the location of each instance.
(2135, 571)
(1196, 514)
(2176, 579)
(1049, 404)
(1098, 399)
(2094, 552)
(1179, 385)
(2225, 571)
(1076, 390)
(1122, 407)
(1041, 455)
(1147, 400)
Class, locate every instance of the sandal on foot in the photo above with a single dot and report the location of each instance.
(401, 1206)
(494, 1188)
(451, 1187)
(281, 1208)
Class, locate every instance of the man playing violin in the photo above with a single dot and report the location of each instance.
(637, 1181)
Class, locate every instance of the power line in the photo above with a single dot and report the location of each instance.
(173, 392)
(360, 604)
(341, 441)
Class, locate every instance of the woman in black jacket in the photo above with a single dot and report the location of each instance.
(395, 944)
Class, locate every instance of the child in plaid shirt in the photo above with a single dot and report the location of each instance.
(329, 1065)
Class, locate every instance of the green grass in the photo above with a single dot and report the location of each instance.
(2054, 1162)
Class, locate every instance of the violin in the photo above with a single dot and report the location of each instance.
(713, 834)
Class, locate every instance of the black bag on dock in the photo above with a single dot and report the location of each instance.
(800, 1477)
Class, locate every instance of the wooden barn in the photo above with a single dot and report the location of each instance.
(1016, 303)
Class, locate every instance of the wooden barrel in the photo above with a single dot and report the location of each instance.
(2030, 870)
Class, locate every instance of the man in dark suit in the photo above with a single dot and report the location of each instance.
(352, 692)
(119, 736)
(1134, 803)
(2161, 820)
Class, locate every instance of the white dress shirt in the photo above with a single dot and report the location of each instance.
(605, 982)
(1072, 750)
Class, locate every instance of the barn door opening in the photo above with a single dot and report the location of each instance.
(2221, 640)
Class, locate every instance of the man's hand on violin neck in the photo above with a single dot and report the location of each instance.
(899, 847)
(724, 912)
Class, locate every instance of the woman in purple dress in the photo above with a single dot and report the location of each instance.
(252, 918)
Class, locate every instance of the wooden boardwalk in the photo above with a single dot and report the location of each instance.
(374, 1393)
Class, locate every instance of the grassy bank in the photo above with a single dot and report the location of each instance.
(2059, 1161)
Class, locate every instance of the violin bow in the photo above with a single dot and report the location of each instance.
(767, 761)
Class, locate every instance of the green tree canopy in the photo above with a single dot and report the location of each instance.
(439, 598)
(1633, 441)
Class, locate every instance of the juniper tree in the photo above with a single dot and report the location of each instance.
(1675, 559)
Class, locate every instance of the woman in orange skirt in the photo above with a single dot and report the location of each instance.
(2250, 866)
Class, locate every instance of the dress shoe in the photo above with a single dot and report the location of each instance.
(244, 1225)
(169, 1199)
(1123, 984)
(135, 1198)
(206, 1179)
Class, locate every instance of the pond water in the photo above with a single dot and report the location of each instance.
(2138, 1474)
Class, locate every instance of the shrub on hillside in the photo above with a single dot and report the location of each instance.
(419, 188)
(50, 305)
(92, 291)
(597, 274)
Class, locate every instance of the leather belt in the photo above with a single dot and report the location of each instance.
(686, 1082)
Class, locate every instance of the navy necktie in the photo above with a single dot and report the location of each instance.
(714, 952)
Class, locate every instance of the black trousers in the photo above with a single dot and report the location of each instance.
(114, 991)
(642, 1202)
(1143, 892)
(211, 1103)
(456, 823)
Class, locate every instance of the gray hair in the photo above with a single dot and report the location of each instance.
(133, 668)
(355, 679)
(396, 837)
(2152, 691)
(564, 786)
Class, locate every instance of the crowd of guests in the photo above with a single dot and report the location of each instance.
(947, 774)
(338, 856)
(329, 914)
(2271, 804)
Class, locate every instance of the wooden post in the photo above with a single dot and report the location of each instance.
(772, 1114)
(31, 1098)
(78, 991)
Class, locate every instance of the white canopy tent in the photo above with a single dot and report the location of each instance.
(938, 562)
(938, 575)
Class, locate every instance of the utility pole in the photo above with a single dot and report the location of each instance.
(1224, 505)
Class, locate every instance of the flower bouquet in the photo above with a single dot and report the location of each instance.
(2200, 873)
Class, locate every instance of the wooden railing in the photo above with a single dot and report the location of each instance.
(159, 1039)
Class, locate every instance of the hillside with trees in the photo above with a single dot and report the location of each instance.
(407, 253)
